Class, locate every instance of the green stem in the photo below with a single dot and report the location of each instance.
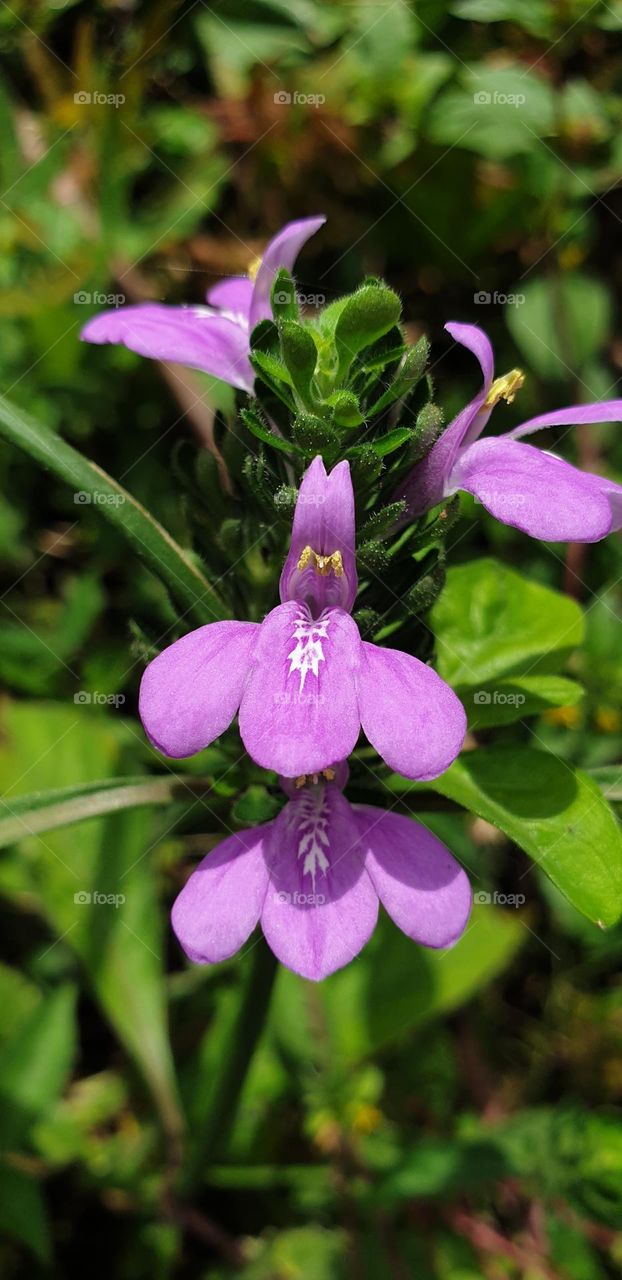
(245, 1034)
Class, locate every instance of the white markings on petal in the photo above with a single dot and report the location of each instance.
(308, 652)
(309, 815)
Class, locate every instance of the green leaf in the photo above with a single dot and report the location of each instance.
(300, 356)
(23, 1211)
(35, 1064)
(506, 701)
(562, 324)
(384, 445)
(395, 986)
(491, 623)
(173, 566)
(368, 314)
(44, 810)
(557, 814)
(283, 296)
(96, 879)
(258, 428)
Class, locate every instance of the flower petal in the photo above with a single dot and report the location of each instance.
(317, 920)
(576, 415)
(324, 521)
(418, 881)
(232, 295)
(190, 693)
(412, 718)
(536, 492)
(299, 711)
(426, 485)
(282, 251)
(221, 903)
(193, 336)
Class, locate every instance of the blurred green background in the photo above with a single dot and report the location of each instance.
(452, 1115)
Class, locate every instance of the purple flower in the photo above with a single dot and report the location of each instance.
(215, 338)
(523, 486)
(303, 679)
(313, 878)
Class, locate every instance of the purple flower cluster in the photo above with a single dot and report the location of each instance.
(304, 683)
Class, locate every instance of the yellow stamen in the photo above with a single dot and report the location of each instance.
(322, 564)
(505, 388)
(254, 268)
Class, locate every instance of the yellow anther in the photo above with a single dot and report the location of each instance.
(314, 778)
(254, 268)
(505, 388)
(322, 564)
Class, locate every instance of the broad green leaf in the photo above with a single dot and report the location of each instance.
(368, 314)
(557, 814)
(23, 1211)
(497, 112)
(586, 307)
(395, 986)
(35, 1064)
(38, 811)
(96, 878)
(491, 623)
(92, 486)
(509, 700)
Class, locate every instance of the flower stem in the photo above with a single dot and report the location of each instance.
(236, 1059)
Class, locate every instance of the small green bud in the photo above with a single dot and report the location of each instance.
(285, 500)
(346, 409)
(365, 464)
(428, 428)
(372, 557)
(422, 596)
(313, 434)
